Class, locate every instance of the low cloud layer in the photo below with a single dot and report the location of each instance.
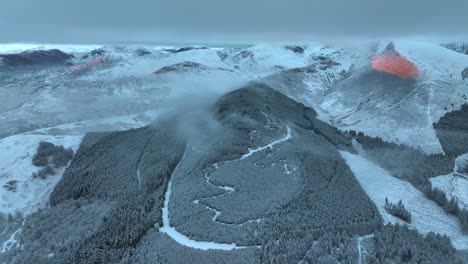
(218, 21)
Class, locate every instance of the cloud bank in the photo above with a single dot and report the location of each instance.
(219, 21)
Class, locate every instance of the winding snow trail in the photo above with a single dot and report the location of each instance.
(454, 184)
(186, 241)
(179, 237)
(229, 189)
(253, 151)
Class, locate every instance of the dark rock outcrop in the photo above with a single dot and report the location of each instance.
(296, 49)
(143, 52)
(452, 131)
(184, 49)
(325, 62)
(94, 53)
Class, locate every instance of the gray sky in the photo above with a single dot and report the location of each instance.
(220, 21)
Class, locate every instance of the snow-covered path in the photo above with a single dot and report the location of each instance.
(227, 190)
(186, 241)
(180, 238)
(426, 215)
(10, 242)
(454, 184)
(359, 246)
(253, 151)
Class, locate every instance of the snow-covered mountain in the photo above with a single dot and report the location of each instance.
(207, 194)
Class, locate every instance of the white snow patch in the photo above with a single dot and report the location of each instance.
(11, 241)
(113, 123)
(227, 188)
(426, 215)
(269, 146)
(287, 170)
(16, 164)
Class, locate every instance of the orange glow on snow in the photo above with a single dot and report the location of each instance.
(396, 65)
(88, 65)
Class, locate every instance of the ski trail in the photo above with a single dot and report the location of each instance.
(180, 238)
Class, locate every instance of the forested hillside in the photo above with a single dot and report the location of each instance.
(258, 171)
(452, 131)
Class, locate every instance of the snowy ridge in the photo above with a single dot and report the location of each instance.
(400, 116)
(20, 47)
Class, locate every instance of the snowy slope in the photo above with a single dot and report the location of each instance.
(455, 184)
(399, 112)
(16, 164)
(426, 215)
(122, 92)
(17, 152)
(442, 69)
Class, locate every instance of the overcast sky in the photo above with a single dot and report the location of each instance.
(220, 21)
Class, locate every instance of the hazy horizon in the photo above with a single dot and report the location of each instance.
(227, 23)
